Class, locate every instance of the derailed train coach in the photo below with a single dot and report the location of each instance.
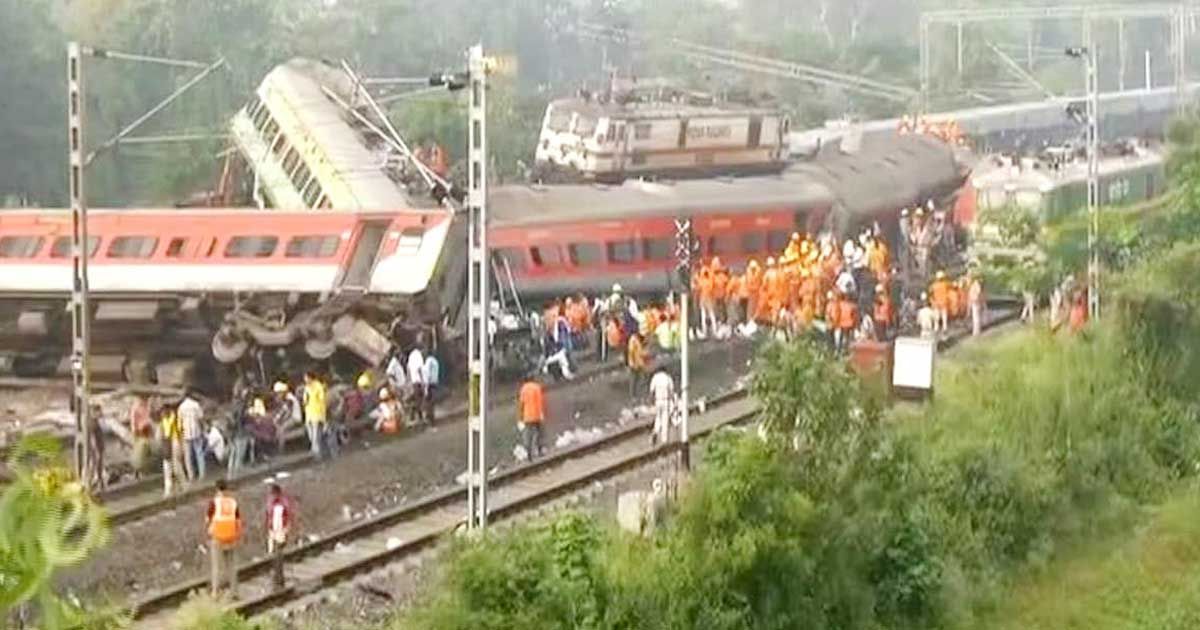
(562, 239)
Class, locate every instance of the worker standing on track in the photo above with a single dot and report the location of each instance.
(431, 374)
(315, 411)
(172, 446)
(531, 410)
(939, 297)
(720, 281)
(976, 303)
(416, 380)
(752, 287)
(141, 429)
(387, 414)
(279, 518)
(191, 420)
(702, 284)
(224, 534)
(884, 313)
(288, 412)
(927, 318)
(636, 361)
(662, 388)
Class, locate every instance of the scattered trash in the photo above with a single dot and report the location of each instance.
(577, 436)
(312, 538)
(519, 453)
(343, 548)
(462, 478)
(347, 513)
(393, 543)
(177, 566)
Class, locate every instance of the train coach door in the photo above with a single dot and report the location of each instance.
(362, 259)
(754, 137)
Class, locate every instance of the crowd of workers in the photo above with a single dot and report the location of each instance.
(947, 131)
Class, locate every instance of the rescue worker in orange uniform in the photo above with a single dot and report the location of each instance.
(954, 301)
(831, 313)
(878, 257)
(224, 533)
(615, 338)
(884, 313)
(752, 286)
(720, 279)
(771, 295)
(847, 321)
(939, 297)
(735, 299)
(702, 284)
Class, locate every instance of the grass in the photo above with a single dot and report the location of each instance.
(1149, 580)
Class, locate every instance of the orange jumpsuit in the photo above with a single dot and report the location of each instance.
(939, 295)
(721, 291)
(753, 288)
(772, 295)
(847, 314)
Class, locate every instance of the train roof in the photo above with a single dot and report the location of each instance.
(533, 205)
(659, 109)
(1037, 174)
(887, 173)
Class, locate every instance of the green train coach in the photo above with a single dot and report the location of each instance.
(1055, 187)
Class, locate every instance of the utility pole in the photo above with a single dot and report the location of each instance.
(80, 314)
(684, 248)
(479, 302)
(1090, 58)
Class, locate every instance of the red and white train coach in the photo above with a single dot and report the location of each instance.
(230, 278)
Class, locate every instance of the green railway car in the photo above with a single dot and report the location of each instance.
(1054, 192)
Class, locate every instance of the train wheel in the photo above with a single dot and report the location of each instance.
(228, 349)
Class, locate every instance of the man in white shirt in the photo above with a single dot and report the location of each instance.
(927, 318)
(191, 420)
(416, 378)
(662, 388)
(396, 375)
(430, 376)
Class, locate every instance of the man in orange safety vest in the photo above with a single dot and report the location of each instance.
(224, 533)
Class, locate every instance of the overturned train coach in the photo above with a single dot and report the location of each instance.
(183, 287)
(176, 286)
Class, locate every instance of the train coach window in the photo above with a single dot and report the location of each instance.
(290, 160)
(511, 256)
(132, 247)
(641, 131)
(311, 247)
(62, 247)
(722, 245)
(777, 240)
(20, 246)
(584, 254)
(622, 252)
(753, 242)
(545, 255)
(658, 249)
(301, 176)
(261, 117)
(251, 246)
(175, 247)
(312, 192)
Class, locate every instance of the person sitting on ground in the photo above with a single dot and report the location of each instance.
(388, 414)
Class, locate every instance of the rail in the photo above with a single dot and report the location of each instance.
(174, 595)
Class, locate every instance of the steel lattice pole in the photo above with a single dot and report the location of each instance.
(477, 287)
(80, 320)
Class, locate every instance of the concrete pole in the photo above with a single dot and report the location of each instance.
(81, 338)
(959, 49)
(1093, 142)
(479, 299)
(684, 378)
(1121, 54)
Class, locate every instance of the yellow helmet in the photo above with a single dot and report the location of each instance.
(364, 380)
(280, 387)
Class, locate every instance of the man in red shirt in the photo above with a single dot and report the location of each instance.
(531, 412)
(278, 525)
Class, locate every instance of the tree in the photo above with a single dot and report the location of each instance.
(47, 523)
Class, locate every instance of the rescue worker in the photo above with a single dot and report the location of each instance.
(531, 410)
(976, 304)
(1079, 311)
(171, 436)
(720, 279)
(416, 381)
(141, 429)
(752, 287)
(387, 414)
(614, 337)
(884, 313)
(770, 295)
(315, 414)
(636, 362)
(939, 298)
(288, 412)
(224, 520)
(847, 321)
(278, 525)
(662, 388)
(431, 374)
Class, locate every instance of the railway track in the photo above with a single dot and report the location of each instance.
(134, 501)
(406, 530)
